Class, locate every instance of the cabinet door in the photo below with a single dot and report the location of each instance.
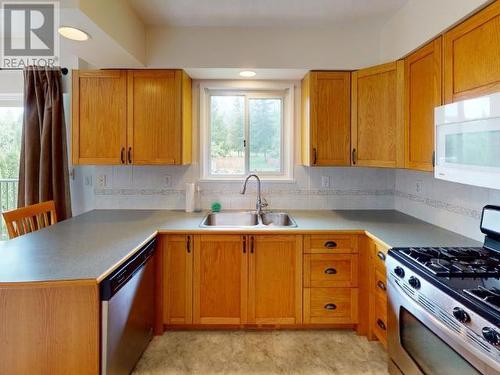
(471, 56)
(377, 116)
(99, 117)
(329, 118)
(220, 279)
(422, 95)
(178, 279)
(275, 280)
(154, 116)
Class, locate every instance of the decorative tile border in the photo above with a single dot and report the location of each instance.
(434, 203)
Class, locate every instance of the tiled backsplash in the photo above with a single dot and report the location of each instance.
(452, 206)
(163, 187)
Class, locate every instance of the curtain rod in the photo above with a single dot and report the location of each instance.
(64, 71)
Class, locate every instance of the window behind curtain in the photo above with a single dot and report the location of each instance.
(11, 120)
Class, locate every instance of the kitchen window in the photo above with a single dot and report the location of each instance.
(246, 131)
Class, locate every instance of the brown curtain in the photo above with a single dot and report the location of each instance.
(43, 170)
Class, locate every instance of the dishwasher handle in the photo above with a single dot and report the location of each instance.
(119, 277)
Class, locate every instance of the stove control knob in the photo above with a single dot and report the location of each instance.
(414, 282)
(399, 271)
(492, 336)
(461, 315)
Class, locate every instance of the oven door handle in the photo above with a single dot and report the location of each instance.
(456, 341)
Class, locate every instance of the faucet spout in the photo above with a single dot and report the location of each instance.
(258, 204)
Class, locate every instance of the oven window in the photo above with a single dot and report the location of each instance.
(431, 354)
(480, 148)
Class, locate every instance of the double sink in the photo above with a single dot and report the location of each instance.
(248, 219)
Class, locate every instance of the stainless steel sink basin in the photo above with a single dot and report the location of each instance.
(241, 219)
(278, 219)
(231, 219)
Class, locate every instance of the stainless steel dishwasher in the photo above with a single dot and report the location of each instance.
(127, 312)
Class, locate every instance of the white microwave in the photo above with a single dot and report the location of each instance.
(467, 141)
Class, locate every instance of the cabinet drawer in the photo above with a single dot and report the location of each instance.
(331, 305)
(331, 244)
(380, 284)
(379, 253)
(330, 270)
(379, 324)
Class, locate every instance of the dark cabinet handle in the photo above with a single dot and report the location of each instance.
(433, 159)
(381, 255)
(188, 244)
(315, 156)
(244, 244)
(381, 285)
(330, 271)
(330, 306)
(330, 244)
(381, 324)
(252, 240)
(122, 155)
(354, 156)
(130, 155)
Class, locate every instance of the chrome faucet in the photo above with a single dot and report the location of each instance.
(260, 203)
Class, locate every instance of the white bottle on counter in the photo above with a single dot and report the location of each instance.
(190, 197)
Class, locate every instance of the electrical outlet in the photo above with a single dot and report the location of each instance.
(419, 186)
(101, 181)
(325, 182)
(88, 180)
(167, 181)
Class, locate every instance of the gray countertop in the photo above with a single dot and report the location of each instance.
(91, 245)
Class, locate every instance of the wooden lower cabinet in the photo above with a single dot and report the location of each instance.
(257, 280)
(377, 328)
(220, 279)
(177, 279)
(275, 279)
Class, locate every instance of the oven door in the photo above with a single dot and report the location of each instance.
(419, 343)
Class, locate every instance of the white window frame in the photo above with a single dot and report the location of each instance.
(250, 90)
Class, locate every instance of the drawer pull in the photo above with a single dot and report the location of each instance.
(330, 306)
(330, 271)
(330, 244)
(381, 255)
(381, 324)
(381, 285)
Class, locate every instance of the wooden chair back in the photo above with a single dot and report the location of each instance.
(30, 218)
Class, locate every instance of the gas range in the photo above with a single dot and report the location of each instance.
(454, 292)
(474, 272)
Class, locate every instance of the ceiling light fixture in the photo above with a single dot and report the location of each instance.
(248, 74)
(73, 33)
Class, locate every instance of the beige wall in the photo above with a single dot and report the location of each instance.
(349, 47)
(419, 21)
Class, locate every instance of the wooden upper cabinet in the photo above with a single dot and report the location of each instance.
(99, 116)
(275, 279)
(326, 117)
(422, 95)
(159, 117)
(220, 279)
(131, 117)
(471, 56)
(177, 278)
(377, 116)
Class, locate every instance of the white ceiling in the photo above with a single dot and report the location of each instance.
(262, 13)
